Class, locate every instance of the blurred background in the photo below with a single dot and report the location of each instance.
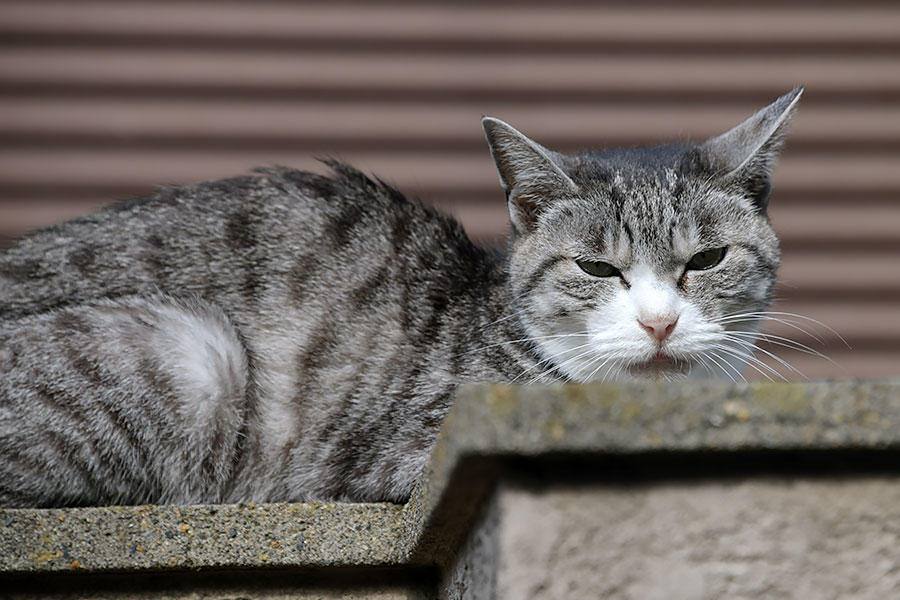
(101, 101)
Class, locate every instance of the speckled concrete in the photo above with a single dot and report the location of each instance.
(487, 425)
(768, 537)
(648, 417)
(169, 537)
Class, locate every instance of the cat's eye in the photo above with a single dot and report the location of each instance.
(706, 259)
(598, 268)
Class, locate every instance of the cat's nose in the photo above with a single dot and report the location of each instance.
(658, 326)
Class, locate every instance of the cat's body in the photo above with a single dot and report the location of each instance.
(296, 276)
(291, 336)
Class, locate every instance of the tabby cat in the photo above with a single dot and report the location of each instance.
(289, 336)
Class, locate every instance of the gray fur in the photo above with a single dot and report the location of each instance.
(289, 336)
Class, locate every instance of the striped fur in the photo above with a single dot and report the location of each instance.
(292, 336)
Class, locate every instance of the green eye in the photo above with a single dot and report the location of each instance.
(597, 268)
(706, 259)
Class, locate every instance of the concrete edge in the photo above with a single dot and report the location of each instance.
(489, 422)
(119, 538)
(486, 423)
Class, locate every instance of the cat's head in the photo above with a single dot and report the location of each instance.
(648, 262)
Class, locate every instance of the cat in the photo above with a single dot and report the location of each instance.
(289, 336)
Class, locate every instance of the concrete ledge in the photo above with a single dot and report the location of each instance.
(487, 426)
(491, 423)
(125, 538)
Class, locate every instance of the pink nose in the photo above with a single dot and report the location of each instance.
(658, 327)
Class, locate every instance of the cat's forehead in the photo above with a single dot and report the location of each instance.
(649, 207)
(632, 166)
(645, 183)
(648, 192)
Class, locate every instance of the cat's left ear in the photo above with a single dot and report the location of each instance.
(529, 173)
(747, 153)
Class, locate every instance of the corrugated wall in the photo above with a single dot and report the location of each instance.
(102, 100)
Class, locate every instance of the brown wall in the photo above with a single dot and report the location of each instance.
(100, 101)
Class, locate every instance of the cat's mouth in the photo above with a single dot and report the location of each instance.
(661, 366)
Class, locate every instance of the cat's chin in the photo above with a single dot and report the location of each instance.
(661, 367)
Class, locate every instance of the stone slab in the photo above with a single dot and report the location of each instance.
(489, 424)
(190, 537)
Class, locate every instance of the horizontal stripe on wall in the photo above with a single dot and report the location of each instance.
(101, 101)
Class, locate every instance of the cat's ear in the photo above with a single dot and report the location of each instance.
(529, 173)
(747, 153)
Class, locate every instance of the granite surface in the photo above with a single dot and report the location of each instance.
(487, 425)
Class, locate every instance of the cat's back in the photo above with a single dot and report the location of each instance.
(214, 238)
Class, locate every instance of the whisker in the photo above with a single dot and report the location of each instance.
(715, 358)
(811, 320)
(563, 364)
(512, 302)
(581, 369)
(705, 364)
(716, 364)
(778, 340)
(781, 361)
(501, 319)
(736, 370)
(787, 322)
(768, 315)
(548, 360)
(594, 372)
(615, 364)
(521, 340)
(751, 361)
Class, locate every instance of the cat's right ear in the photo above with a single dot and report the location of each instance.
(528, 173)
